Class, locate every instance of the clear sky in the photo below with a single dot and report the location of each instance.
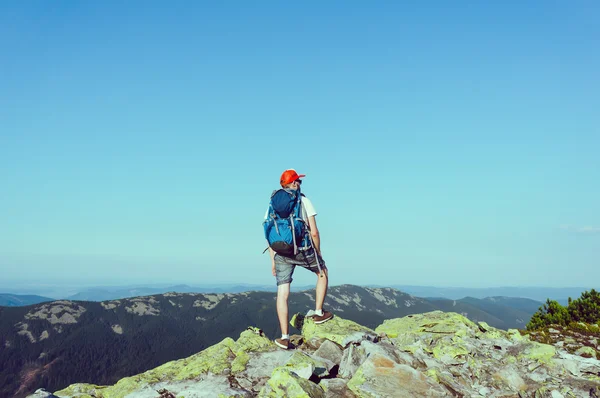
(445, 143)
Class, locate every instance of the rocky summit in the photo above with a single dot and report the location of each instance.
(435, 354)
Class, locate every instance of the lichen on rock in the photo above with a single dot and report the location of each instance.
(285, 383)
(434, 354)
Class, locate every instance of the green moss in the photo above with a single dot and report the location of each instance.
(540, 352)
(490, 332)
(356, 382)
(435, 322)
(300, 360)
(515, 335)
(227, 354)
(336, 330)
(80, 390)
(586, 352)
(434, 374)
(239, 363)
(215, 359)
(452, 349)
(252, 340)
(285, 383)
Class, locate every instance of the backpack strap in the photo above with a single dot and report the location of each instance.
(296, 214)
(312, 243)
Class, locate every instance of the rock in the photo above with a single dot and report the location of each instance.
(304, 370)
(253, 340)
(81, 390)
(352, 358)
(330, 351)
(539, 352)
(296, 340)
(434, 324)
(338, 330)
(319, 366)
(378, 376)
(259, 368)
(336, 388)
(434, 354)
(286, 383)
(41, 393)
(586, 352)
(515, 335)
(387, 350)
(216, 360)
(510, 378)
(205, 387)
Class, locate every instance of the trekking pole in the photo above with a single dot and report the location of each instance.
(303, 211)
(312, 242)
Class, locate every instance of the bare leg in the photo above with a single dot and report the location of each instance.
(283, 292)
(322, 282)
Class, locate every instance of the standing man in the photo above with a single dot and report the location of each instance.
(283, 267)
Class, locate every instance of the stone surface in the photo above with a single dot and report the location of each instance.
(41, 393)
(379, 376)
(587, 352)
(336, 388)
(434, 354)
(330, 351)
(338, 330)
(285, 383)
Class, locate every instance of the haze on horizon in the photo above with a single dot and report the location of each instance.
(444, 145)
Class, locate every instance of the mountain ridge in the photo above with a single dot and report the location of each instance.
(110, 292)
(18, 300)
(434, 354)
(44, 341)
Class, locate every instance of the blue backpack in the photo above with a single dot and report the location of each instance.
(285, 230)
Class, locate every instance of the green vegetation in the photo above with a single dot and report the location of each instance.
(585, 309)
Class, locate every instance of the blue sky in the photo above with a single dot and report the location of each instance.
(445, 144)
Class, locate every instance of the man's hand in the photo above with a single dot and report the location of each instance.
(273, 270)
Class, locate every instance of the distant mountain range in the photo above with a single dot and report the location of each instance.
(535, 293)
(102, 293)
(108, 293)
(16, 300)
(58, 343)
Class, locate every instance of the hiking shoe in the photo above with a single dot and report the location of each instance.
(323, 318)
(283, 343)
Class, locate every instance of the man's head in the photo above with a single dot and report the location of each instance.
(291, 179)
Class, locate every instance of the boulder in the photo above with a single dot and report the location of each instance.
(434, 354)
(285, 383)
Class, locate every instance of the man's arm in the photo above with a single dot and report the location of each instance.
(272, 253)
(314, 232)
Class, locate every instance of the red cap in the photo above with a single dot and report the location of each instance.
(290, 176)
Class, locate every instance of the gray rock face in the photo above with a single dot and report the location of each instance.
(354, 355)
(330, 351)
(426, 355)
(41, 393)
(380, 376)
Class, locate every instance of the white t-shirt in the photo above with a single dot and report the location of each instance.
(308, 210)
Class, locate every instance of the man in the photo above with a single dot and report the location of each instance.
(283, 267)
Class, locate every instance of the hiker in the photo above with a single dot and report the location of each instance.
(289, 249)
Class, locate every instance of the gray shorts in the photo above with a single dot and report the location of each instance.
(284, 266)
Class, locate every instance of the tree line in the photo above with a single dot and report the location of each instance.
(584, 309)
